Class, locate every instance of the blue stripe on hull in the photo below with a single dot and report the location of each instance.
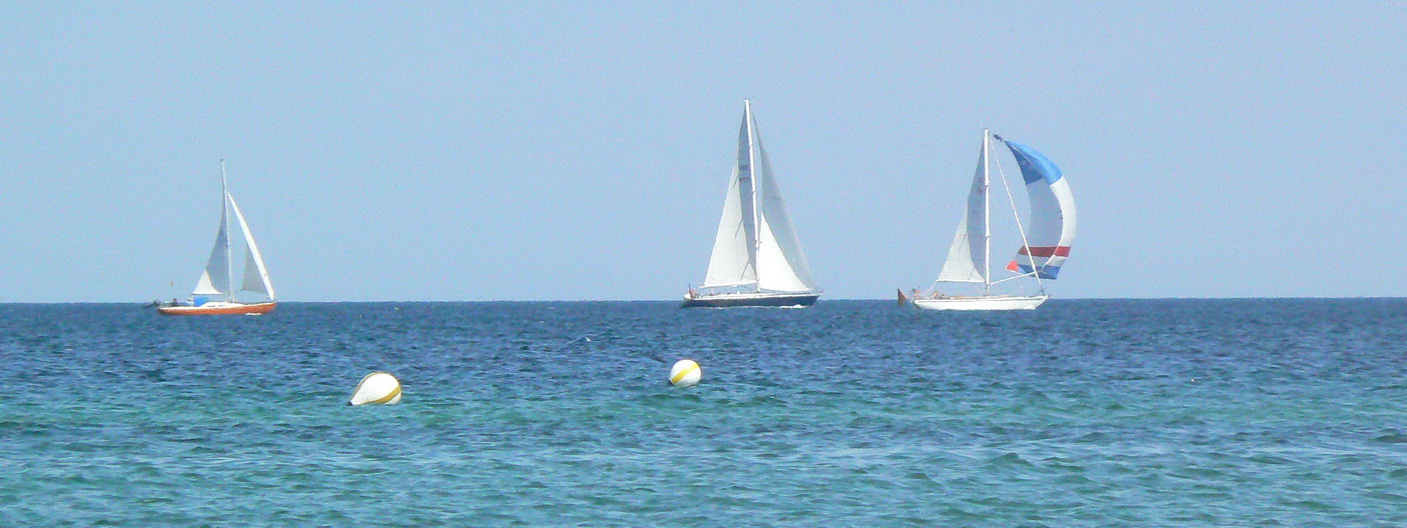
(774, 302)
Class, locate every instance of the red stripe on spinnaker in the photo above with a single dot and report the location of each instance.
(1013, 266)
(1046, 251)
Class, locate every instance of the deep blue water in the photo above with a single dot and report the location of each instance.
(851, 413)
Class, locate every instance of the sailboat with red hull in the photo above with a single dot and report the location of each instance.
(214, 292)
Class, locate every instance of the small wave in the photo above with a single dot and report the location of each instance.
(1009, 460)
(1269, 459)
(1389, 497)
(1395, 437)
(1312, 505)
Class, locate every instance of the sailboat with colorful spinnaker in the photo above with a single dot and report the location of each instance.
(1045, 243)
(757, 259)
(214, 292)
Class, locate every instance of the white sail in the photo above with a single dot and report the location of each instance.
(256, 276)
(215, 279)
(781, 265)
(756, 244)
(967, 257)
(732, 262)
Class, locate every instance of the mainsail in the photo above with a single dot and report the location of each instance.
(215, 280)
(735, 246)
(967, 257)
(1052, 220)
(756, 244)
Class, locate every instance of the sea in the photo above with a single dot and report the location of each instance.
(1253, 412)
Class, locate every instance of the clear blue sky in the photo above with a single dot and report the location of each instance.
(476, 151)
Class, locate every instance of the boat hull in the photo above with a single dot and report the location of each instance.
(219, 309)
(754, 300)
(981, 303)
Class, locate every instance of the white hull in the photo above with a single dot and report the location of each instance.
(993, 303)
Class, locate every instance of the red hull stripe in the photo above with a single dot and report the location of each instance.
(1047, 251)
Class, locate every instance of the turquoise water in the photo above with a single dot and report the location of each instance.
(1083, 413)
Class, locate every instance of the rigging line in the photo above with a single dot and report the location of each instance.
(568, 344)
(1021, 276)
(225, 230)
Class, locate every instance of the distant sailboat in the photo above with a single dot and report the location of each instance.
(218, 279)
(757, 258)
(1044, 247)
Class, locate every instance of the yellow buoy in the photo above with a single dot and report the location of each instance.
(377, 388)
(685, 373)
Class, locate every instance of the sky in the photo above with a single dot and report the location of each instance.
(475, 151)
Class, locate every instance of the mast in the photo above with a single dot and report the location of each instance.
(224, 217)
(987, 217)
(752, 174)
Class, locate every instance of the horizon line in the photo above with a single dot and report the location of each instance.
(887, 299)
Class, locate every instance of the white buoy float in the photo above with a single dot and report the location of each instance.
(686, 373)
(377, 388)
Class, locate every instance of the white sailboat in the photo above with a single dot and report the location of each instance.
(1044, 247)
(214, 293)
(757, 258)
